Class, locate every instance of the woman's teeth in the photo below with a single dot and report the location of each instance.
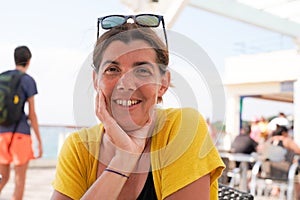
(127, 103)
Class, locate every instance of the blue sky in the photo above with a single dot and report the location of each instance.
(61, 35)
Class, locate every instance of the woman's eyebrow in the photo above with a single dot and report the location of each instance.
(135, 64)
(142, 63)
(110, 62)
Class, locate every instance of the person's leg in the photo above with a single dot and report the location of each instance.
(21, 150)
(5, 158)
(20, 178)
(5, 172)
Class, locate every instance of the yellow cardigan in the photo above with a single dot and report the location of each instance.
(181, 152)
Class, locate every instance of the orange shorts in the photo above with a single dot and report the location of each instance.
(20, 150)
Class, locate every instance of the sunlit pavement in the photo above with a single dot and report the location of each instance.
(38, 184)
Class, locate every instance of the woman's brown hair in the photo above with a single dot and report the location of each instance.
(126, 33)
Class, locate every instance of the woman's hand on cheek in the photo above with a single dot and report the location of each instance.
(127, 147)
(101, 110)
(124, 142)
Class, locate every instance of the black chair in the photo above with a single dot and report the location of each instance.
(226, 192)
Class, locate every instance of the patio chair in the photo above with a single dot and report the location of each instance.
(231, 174)
(267, 174)
(227, 192)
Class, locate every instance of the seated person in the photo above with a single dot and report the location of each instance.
(243, 143)
(279, 152)
(281, 136)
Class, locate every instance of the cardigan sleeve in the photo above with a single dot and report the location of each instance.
(184, 153)
(77, 163)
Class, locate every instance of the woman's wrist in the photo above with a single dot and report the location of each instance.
(124, 163)
(116, 172)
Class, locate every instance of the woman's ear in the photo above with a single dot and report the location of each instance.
(95, 80)
(165, 84)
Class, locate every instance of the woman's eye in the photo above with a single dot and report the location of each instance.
(111, 70)
(143, 71)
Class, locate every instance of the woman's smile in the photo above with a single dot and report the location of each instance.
(127, 103)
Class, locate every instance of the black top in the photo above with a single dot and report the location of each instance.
(243, 144)
(148, 192)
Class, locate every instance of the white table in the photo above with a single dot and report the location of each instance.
(244, 159)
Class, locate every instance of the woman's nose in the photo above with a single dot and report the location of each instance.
(126, 82)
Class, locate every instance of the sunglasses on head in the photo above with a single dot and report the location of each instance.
(143, 20)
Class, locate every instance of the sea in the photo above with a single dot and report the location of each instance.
(52, 138)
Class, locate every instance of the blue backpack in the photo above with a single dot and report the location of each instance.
(11, 104)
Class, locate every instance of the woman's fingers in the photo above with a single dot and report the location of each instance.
(101, 110)
(116, 134)
(132, 141)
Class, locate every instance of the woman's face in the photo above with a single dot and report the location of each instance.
(130, 80)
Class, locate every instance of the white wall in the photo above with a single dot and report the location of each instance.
(265, 67)
(260, 74)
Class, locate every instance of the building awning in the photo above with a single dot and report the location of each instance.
(282, 16)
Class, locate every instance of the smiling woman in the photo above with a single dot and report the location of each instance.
(137, 150)
(133, 78)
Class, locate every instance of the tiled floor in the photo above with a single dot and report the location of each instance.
(38, 184)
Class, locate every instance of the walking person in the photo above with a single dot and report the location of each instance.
(15, 139)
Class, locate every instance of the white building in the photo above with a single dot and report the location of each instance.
(274, 76)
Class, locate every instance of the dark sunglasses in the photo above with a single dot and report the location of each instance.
(143, 20)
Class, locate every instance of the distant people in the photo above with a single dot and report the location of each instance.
(15, 139)
(255, 132)
(281, 137)
(243, 143)
(280, 146)
(279, 150)
(280, 120)
(263, 127)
